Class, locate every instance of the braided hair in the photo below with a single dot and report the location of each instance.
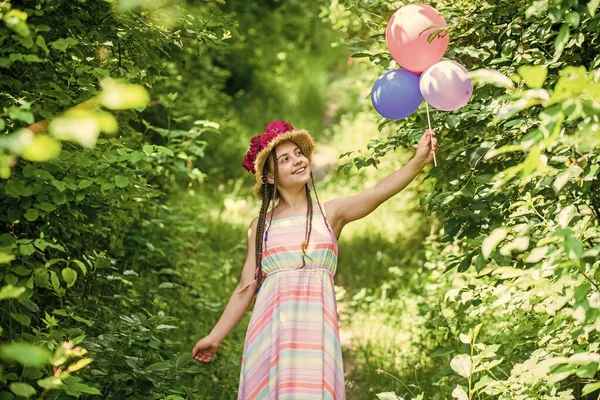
(269, 194)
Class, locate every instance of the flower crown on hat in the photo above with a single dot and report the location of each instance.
(260, 142)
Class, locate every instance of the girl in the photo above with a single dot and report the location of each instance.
(292, 348)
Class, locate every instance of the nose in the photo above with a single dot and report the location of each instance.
(297, 160)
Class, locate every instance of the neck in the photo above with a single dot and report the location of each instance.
(295, 201)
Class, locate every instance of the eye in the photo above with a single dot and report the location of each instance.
(299, 152)
(284, 159)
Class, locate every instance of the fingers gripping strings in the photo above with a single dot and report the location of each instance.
(431, 143)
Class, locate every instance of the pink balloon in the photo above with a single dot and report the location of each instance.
(446, 85)
(406, 37)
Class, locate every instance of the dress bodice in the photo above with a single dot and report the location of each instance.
(282, 245)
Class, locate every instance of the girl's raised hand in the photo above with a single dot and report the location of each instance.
(426, 147)
(205, 349)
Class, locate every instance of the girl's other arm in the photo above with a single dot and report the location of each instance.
(236, 307)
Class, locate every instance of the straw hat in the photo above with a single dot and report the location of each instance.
(261, 145)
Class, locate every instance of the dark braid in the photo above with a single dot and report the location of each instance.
(266, 190)
(275, 195)
(308, 230)
(269, 193)
(312, 179)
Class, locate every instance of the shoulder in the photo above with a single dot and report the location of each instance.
(252, 227)
(333, 210)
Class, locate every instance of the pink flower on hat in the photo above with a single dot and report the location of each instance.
(279, 127)
(260, 142)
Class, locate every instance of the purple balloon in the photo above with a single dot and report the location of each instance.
(446, 85)
(396, 94)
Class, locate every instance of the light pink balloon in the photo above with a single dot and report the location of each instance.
(406, 37)
(446, 85)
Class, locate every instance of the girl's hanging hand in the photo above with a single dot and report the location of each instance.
(205, 349)
(426, 147)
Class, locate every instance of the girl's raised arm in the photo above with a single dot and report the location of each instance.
(351, 208)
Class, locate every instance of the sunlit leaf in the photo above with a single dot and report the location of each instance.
(534, 76)
(492, 241)
(11, 292)
(41, 148)
(459, 393)
(121, 96)
(26, 354)
(462, 364)
(80, 364)
(69, 275)
(22, 389)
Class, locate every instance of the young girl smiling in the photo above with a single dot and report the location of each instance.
(292, 348)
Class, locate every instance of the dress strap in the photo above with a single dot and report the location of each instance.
(323, 209)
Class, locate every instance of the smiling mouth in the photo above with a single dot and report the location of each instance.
(299, 171)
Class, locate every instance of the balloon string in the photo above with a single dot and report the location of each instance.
(429, 123)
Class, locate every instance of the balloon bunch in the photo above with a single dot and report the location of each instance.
(446, 85)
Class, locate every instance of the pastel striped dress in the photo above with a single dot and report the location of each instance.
(292, 348)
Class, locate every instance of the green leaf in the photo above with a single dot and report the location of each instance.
(21, 318)
(19, 114)
(561, 180)
(121, 96)
(32, 214)
(6, 258)
(48, 207)
(590, 388)
(165, 150)
(80, 387)
(50, 382)
(165, 326)
(70, 276)
(492, 241)
(80, 364)
(60, 186)
(459, 393)
(26, 354)
(54, 280)
(159, 366)
(121, 181)
(387, 396)
(493, 77)
(587, 371)
(565, 215)
(41, 278)
(41, 148)
(22, 389)
(537, 254)
(41, 42)
(592, 7)
(11, 292)
(84, 183)
(81, 266)
(31, 373)
(561, 40)
(508, 272)
(462, 365)
(26, 249)
(83, 320)
(63, 44)
(15, 20)
(573, 19)
(534, 76)
(148, 149)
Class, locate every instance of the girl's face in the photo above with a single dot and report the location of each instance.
(293, 168)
